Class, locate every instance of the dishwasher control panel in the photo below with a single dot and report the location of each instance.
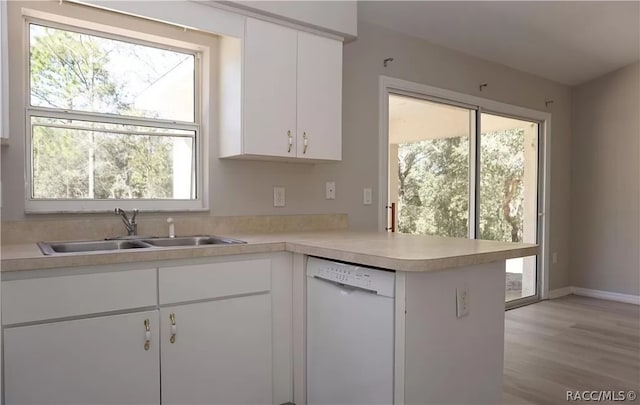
(380, 281)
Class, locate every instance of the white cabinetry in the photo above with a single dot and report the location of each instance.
(86, 361)
(438, 358)
(219, 332)
(218, 349)
(291, 92)
(221, 350)
(319, 95)
(98, 360)
(269, 89)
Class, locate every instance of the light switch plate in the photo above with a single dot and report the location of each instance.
(278, 196)
(367, 196)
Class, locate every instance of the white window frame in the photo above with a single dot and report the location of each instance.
(200, 153)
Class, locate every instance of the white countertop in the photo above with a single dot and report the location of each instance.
(393, 251)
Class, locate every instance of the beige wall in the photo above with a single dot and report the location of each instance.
(245, 188)
(605, 183)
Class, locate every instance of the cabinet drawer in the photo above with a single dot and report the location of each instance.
(56, 297)
(214, 280)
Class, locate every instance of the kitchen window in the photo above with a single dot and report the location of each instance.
(112, 120)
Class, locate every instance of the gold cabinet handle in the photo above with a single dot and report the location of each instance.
(290, 141)
(174, 328)
(305, 142)
(147, 334)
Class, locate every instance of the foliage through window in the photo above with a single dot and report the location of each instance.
(110, 118)
(433, 186)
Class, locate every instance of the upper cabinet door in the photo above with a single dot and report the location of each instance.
(319, 97)
(269, 89)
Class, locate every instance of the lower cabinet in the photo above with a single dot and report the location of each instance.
(103, 360)
(219, 349)
(219, 332)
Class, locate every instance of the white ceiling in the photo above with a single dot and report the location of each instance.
(569, 42)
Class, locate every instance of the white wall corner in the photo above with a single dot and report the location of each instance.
(559, 292)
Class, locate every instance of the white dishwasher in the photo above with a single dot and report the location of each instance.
(350, 327)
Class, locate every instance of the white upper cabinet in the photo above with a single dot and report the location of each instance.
(291, 97)
(319, 95)
(269, 89)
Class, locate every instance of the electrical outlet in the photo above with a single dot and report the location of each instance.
(330, 190)
(278, 196)
(367, 196)
(554, 258)
(462, 302)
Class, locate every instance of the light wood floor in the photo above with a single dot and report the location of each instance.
(570, 343)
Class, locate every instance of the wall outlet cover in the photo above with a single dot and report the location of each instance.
(330, 190)
(278, 196)
(462, 302)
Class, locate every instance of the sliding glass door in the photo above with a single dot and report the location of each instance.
(508, 194)
(457, 171)
(429, 166)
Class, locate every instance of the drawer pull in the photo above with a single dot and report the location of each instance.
(147, 334)
(174, 328)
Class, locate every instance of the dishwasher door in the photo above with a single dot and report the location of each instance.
(349, 343)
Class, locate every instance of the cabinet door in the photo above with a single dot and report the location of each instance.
(269, 89)
(87, 361)
(222, 353)
(319, 95)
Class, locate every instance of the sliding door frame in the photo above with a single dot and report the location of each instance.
(518, 302)
(389, 85)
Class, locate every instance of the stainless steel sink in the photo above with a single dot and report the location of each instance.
(192, 241)
(143, 242)
(90, 246)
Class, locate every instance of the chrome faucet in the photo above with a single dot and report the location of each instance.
(129, 223)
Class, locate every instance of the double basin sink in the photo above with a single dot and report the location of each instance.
(53, 248)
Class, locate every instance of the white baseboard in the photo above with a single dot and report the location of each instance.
(587, 292)
(607, 295)
(560, 292)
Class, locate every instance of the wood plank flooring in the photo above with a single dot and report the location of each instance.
(570, 343)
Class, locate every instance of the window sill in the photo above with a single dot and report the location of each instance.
(104, 206)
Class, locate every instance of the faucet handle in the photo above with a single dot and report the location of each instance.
(172, 229)
(134, 212)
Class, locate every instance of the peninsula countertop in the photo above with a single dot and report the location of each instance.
(394, 251)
